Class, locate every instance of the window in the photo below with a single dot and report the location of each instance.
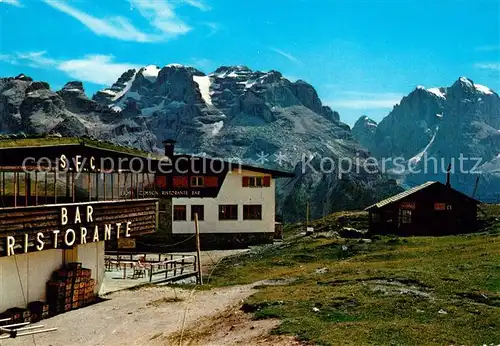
(180, 181)
(252, 212)
(255, 182)
(211, 181)
(264, 181)
(228, 212)
(179, 213)
(405, 216)
(161, 182)
(197, 181)
(200, 210)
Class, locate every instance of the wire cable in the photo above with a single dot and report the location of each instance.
(22, 291)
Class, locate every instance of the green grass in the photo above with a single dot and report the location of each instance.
(49, 141)
(332, 222)
(387, 292)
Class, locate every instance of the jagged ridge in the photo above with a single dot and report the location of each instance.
(233, 112)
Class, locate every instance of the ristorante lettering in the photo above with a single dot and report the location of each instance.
(77, 227)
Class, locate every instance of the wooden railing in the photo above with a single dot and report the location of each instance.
(179, 266)
(170, 266)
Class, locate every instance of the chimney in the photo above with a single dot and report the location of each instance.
(169, 147)
(448, 172)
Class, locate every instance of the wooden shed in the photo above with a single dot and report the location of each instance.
(429, 209)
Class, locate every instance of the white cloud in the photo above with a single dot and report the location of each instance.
(115, 27)
(37, 59)
(488, 66)
(94, 68)
(98, 69)
(287, 55)
(12, 2)
(365, 100)
(198, 4)
(161, 15)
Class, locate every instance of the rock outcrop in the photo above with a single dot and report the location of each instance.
(258, 117)
(444, 124)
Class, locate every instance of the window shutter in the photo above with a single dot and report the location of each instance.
(180, 182)
(211, 181)
(161, 182)
(245, 181)
(267, 181)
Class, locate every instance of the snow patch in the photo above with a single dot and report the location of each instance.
(116, 108)
(217, 127)
(107, 91)
(417, 158)
(466, 81)
(73, 90)
(204, 85)
(150, 72)
(126, 88)
(175, 65)
(249, 84)
(213, 129)
(439, 115)
(483, 89)
(436, 92)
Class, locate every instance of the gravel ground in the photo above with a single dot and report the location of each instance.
(137, 317)
(158, 315)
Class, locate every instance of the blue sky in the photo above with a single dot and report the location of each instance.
(361, 56)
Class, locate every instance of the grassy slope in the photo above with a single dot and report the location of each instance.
(357, 305)
(46, 141)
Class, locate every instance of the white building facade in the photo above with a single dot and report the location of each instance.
(245, 205)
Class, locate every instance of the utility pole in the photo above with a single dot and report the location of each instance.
(198, 251)
(308, 230)
(475, 187)
(307, 214)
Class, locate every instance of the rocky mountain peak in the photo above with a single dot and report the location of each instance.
(76, 100)
(422, 92)
(231, 71)
(233, 112)
(364, 131)
(150, 72)
(366, 122)
(73, 86)
(33, 86)
(463, 83)
(444, 123)
(117, 90)
(23, 77)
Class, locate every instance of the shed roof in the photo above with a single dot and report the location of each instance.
(409, 192)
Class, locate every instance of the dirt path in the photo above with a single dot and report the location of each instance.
(155, 315)
(230, 327)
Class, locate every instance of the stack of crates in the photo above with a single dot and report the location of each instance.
(70, 288)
